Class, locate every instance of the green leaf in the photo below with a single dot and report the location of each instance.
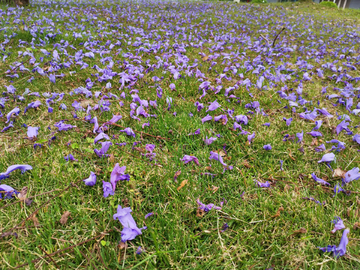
(41, 141)
(90, 140)
(89, 150)
(103, 243)
(74, 145)
(122, 138)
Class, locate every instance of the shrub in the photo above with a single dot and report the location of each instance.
(328, 4)
(258, 1)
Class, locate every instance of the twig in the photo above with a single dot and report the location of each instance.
(277, 36)
(87, 258)
(49, 257)
(37, 210)
(64, 249)
(265, 38)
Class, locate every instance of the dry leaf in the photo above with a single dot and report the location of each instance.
(112, 158)
(183, 183)
(35, 220)
(200, 212)
(278, 212)
(64, 217)
(301, 230)
(286, 187)
(122, 245)
(214, 189)
(314, 142)
(246, 164)
(22, 194)
(205, 58)
(357, 225)
(291, 155)
(339, 173)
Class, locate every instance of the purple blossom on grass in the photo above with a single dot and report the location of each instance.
(319, 180)
(186, 159)
(8, 192)
(217, 157)
(320, 148)
(338, 250)
(207, 207)
(149, 215)
(91, 181)
(210, 140)
(118, 174)
(300, 136)
(107, 188)
(70, 157)
(213, 106)
(281, 165)
(130, 230)
(139, 251)
(267, 147)
(32, 132)
(13, 112)
(342, 126)
(206, 118)
(288, 121)
(262, 185)
(312, 199)
(22, 168)
(327, 158)
(357, 138)
(351, 175)
(315, 133)
(317, 124)
(128, 132)
(339, 224)
(197, 132)
(338, 189)
(62, 126)
(114, 119)
(100, 137)
(251, 137)
(104, 148)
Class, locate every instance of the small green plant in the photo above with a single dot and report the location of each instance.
(328, 4)
(259, 1)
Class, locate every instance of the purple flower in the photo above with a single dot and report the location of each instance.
(197, 132)
(281, 165)
(100, 137)
(213, 106)
(207, 207)
(251, 137)
(267, 147)
(340, 145)
(91, 180)
(114, 119)
(188, 159)
(130, 230)
(63, 127)
(262, 185)
(15, 112)
(70, 157)
(343, 125)
(149, 215)
(317, 125)
(96, 124)
(107, 188)
(32, 132)
(319, 180)
(300, 136)
(288, 121)
(9, 192)
(210, 140)
(104, 148)
(150, 147)
(199, 106)
(315, 133)
(339, 224)
(222, 117)
(338, 189)
(242, 119)
(320, 148)
(206, 118)
(217, 157)
(128, 132)
(266, 124)
(357, 138)
(338, 250)
(139, 251)
(22, 168)
(118, 174)
(327, 158)
(351, 175)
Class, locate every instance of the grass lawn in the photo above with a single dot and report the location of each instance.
(276, 71)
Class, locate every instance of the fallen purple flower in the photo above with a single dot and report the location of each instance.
(118, 174)
(22, 168)
(63, 127)
(128, 132)
(108, 190)
(7, 192)
(339, 224)
(338, 250)
(149, 215)
(91, 181)
(32, 132)
(262, 185)
(70, 157)
(267, 147)
(327, 158)
(319, 180)
(351, 175)
(186, 159)
(104, 148)
(207, 207)
(130, 230)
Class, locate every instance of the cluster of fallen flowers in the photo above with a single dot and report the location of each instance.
(122, 62)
